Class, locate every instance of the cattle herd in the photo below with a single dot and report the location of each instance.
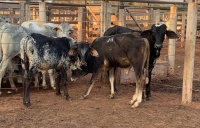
(49, 48)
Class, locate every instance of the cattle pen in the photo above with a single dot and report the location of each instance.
(175, 80)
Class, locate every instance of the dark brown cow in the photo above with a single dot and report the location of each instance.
(118, 51)
(155, 36)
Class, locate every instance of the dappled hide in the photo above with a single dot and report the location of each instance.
(39, 52)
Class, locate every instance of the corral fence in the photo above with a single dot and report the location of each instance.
(91, 20)
(88, 20)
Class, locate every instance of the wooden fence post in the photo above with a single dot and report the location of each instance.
(189, 52)
(102, 17)
(80, 24)
(157, 16)
(42, 13)
(22, 12)
(105, 16)
(183, 29)
(172, 42)
(121, 17)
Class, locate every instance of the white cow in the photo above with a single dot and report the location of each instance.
(11, 35)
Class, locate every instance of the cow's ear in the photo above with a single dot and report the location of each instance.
(171, 34)
(71, 52)
(145, 33)
(56, 29)
(94, 52)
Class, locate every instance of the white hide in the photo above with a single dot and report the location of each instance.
(10, 38)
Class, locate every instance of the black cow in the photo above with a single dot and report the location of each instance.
(39, 52)
(155, 36)
(118, 30)
(119, 51)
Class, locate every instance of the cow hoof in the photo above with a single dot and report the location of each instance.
(68, 98)
(83, 97)
(132, 102)
(54, 88)
(143, 100)
(45, 87)
(27, 104)
(117, 93)
(111, 97)
(149, 98)
(58, 93)
(16, 90)
(135, 105)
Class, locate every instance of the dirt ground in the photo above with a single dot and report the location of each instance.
(98, 111)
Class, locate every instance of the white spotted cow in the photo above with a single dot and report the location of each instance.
(52, 30)
(10, 37)
(42, 52)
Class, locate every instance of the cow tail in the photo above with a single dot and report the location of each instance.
(147, 56)
(25, 60)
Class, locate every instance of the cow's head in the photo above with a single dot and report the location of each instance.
(65, 30)
(87, 56)
(158, 32)
(84, 50)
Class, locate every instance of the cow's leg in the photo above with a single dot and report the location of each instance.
(52, 78)
(57, 81)
(10, 76)
(134, 98)
(36, 81)
(12, 84)
(117, 79)
(111, 79)
(44, 84)
(65, 84)
(3, 65)
(148, 91)
(92, 82)
(30, 79)
(140, 74)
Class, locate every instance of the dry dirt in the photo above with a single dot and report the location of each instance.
(98, 111)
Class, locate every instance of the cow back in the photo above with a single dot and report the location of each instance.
(118, 50)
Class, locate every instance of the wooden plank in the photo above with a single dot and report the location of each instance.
(138, 21)
(189, 53)
(11, 15)
(133, 19)
(138, 14)
(70, 22)
(94, 16)
(5, 5)
(63, 15)
(63, 7)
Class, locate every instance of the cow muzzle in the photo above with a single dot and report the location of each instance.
(158, 46)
